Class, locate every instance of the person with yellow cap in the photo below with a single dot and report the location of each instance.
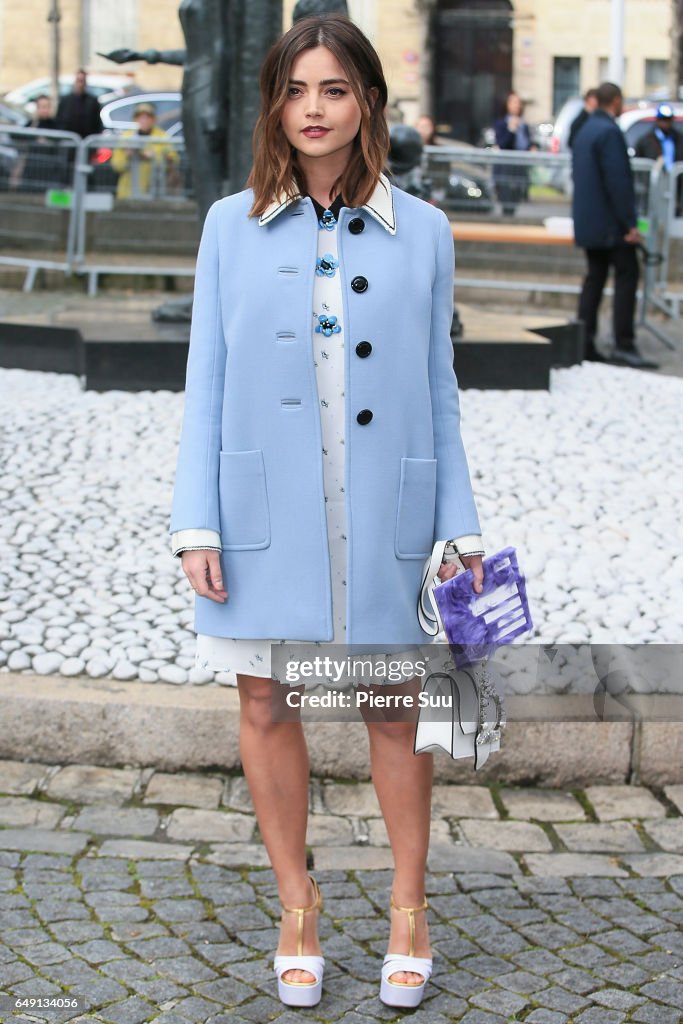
(138, 167)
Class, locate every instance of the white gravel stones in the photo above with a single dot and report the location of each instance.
(72, 667)
(585, 481)
(47, 664)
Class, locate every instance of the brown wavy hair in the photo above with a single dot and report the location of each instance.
(275, 168)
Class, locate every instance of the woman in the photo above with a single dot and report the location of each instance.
(320, 458)
(512, 132)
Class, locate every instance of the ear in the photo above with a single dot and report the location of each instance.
(373, 93)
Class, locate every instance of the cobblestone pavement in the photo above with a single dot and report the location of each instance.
(148, 897)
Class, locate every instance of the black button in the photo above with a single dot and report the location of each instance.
(360, 284)
(356, 225)
(363, 349)
(364, 416)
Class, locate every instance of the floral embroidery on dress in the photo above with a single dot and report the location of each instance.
(327, 325)
(328, 221)
(326, 265)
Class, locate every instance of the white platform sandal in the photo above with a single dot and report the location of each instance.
(301, 993)
(402, 993)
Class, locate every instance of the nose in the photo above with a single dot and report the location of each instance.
(313, 105)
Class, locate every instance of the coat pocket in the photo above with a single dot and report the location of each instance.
(416, 506)
(244, 511)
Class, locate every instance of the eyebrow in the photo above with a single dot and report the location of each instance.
(323, 81)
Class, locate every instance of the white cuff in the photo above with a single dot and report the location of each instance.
(195, 540)
(468, 544)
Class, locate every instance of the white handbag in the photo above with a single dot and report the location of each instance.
(461, 710)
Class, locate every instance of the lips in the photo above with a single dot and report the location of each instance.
(315, 132)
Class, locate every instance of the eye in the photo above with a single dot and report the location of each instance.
(292, 89)
(337, 90)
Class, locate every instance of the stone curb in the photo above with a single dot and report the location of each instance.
(553, 741)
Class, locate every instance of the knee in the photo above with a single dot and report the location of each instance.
(258, 709)
(401, 733)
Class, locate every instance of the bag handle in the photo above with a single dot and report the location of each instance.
(432, 624)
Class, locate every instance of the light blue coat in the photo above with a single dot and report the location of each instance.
(249, 475)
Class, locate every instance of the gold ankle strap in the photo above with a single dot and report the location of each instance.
(300, 911)
(411, 918)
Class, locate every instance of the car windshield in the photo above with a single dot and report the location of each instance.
(123, 112)
(10, 115)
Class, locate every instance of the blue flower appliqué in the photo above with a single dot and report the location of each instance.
(327, 325)
(326, 265)
(327, 221)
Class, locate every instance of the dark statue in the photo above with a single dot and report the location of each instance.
(226, 42)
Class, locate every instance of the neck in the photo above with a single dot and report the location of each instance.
(320, 173)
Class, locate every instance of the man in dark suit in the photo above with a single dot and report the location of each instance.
(79, 110)
(605, 225)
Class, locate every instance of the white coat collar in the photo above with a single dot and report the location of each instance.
(380, 205)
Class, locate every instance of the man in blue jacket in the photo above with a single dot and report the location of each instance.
(604, 210)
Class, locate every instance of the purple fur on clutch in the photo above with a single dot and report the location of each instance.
(475, 624)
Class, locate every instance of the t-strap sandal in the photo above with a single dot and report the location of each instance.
(301, 993)
(403, 993)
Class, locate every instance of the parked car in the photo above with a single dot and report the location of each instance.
(564, 119)
(468, 190)
(117, 115)
(457, 184)
(105, 87)
(10, 117)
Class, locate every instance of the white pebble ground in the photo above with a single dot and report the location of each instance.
(584, 480)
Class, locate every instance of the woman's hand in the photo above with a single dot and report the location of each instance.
(473, 562)
(203, 570)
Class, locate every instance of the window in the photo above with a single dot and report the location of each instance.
(566, 79)
(656, 74)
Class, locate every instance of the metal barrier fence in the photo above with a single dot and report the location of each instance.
(670, 223)
(133, 198)
(527, 186)
(36, 190)
(516, 190)
(123, 204)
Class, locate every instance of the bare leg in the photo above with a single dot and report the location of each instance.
(275, 761)
(403, 783)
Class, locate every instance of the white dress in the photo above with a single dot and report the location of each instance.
(253, 657)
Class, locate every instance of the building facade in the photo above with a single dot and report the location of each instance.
(455, 59)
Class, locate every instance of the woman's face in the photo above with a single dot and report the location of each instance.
(425, 127)
(320, 96)
(514, 104)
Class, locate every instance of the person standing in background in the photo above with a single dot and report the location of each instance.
(605, 225)
(142, 171)
(512, 132)
(40, 162)
(426, 129)
(590, 103)
(44, 115)
(664, 140)
(664, 143)
(79, 110)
